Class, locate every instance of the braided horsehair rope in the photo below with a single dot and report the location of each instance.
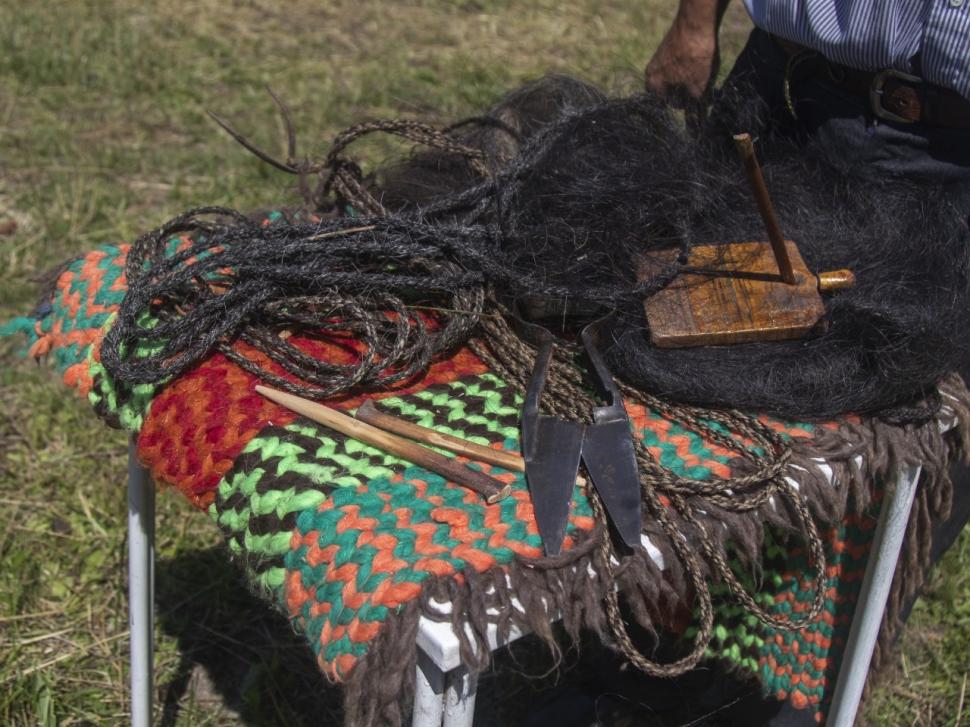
(236, 280)
(511, 358)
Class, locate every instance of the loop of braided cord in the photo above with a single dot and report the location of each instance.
(233, 280)
(512, 358)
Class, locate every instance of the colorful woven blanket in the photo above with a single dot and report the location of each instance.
(355, 545)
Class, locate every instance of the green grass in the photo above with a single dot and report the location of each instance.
(103, 134)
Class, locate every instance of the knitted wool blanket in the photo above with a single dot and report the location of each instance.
(355, 545)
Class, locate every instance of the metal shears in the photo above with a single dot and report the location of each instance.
(553, 447)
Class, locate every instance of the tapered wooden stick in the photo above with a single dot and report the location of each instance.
(368, 412)
(745, 148)
(490, 488)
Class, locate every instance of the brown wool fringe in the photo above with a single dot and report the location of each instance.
(932, 504)
(380, 689)
(684, 521)
(885, 448)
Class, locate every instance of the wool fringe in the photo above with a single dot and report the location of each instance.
(932, 504)
(380, 689)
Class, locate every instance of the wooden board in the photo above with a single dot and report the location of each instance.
(733, 294)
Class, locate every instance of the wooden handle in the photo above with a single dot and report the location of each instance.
(370, 414)
(490, 488)
(757, 181)
(835, 280)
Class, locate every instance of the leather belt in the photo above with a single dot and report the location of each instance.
(895, 96)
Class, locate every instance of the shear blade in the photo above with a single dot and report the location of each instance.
(609, 457)
(551, 475)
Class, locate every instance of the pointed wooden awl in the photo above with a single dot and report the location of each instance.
(757, 181)
(488, 487)
(739, 292)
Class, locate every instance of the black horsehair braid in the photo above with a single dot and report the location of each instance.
(554, 197)
(551, 197)
(250, 283)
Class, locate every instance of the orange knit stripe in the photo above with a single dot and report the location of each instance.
(425, 532)
(363, 631)
(454, 517)
(78, 377)
(342, 665)
(435, 566)
(298, 541)
(524, 512)
(493, 523)
(120, 283)
(296, 595)
(351, 521)
(400, 593)
(93, 275)
(480, 560)
(384, 560)
(792, 430)
(327, 632)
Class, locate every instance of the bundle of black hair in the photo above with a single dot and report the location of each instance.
(577, 187)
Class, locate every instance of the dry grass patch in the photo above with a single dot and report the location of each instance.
(103, 134)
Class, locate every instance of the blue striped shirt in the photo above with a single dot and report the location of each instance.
(876, 34)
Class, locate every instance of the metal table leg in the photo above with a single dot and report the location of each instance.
(429, 693)
(460, 691)
(886, 544)
(443, 699)
(141, 587)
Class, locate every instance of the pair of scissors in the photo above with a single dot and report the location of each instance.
(552, 447)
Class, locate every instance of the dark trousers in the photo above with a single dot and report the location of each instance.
(839, 126)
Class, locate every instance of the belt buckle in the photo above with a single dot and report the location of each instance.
(876, 91)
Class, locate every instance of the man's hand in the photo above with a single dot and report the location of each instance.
(683, 67)
(687, 61)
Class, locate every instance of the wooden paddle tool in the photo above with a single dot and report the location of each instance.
(739, 292)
